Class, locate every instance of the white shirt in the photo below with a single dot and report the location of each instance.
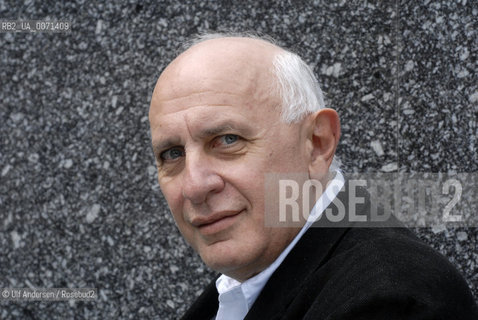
(236, 298)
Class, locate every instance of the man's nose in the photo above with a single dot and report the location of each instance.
(200, 178)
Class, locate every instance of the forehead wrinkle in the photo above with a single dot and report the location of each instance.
(185, 116)
(201, 125)
(199, 94)
(172, 106)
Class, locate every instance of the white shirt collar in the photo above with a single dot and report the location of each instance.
(236, 298)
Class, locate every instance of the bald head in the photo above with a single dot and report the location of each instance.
(239, 49)
(247, 64)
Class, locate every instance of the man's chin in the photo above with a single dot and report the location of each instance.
(223, 259)
(219, 256)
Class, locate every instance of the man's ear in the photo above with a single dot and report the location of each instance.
(323, 137)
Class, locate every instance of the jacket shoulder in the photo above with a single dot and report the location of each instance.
(379, 273)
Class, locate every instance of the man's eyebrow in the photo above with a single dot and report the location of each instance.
(225, 126)
(161, 145)
(219, 129)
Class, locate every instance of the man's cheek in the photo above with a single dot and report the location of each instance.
(173, 199)
(178, 219)
(184, 228)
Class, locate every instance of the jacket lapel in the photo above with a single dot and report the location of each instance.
(309, 254)
(205, 307)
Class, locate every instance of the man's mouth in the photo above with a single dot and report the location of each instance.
(216, 222)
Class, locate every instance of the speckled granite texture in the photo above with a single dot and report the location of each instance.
(79, 205)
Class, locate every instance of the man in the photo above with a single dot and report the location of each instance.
(225, 114)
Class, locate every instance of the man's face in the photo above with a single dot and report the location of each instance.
(216, 132)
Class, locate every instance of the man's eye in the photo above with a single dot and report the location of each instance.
(229, 138)
(172, 154)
